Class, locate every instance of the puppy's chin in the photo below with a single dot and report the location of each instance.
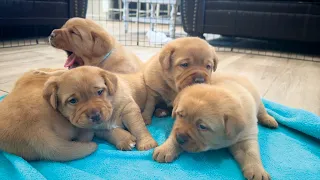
(193, 148)
(201, 147)
(189, 79)
(86, 123)
(190, 149)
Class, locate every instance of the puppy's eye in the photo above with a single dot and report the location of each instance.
(72, 101)
(202, 127)
(209, 66)
(100, 92)
(184, 65)
(73, 32)
(180, 114)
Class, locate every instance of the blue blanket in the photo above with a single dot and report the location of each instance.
(290, 152)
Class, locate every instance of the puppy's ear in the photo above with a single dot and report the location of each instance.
(111, 81)
(50, 73)
(234, 123)
(50, 92)
(215, 59)
(165, 57)
(100, 45)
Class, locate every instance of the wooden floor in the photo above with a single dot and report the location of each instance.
(293, 83)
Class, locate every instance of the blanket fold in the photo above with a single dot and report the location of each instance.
(290, 152)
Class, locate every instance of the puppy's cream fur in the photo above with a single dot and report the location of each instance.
(103, 103)
(89, 43)
(32, 129)
(223, 114)
(180, 63)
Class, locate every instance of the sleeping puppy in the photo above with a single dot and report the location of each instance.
(102, 104)
(87, 43)
(220, 115)
(32, 129)
(180, 63)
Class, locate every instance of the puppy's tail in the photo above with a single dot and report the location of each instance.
(264, 118)
(50, 147)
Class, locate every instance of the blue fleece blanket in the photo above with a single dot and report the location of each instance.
(290, 152)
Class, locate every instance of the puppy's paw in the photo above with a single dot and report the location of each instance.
(163, 154)
(147, 119)
(161, 113)
(146, 144)
(127, 143)
(92, 146)
(268, 121)
(256, 172)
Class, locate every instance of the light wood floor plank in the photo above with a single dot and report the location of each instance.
(290, 82)
(297, 86)
(261, 70)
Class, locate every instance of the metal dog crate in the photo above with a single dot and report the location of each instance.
(152, 23)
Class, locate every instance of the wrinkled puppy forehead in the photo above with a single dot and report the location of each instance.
(209, 99)
(87, 24)
(82, 79)
(199, 98)
(191, 101)
(75, 22)
(194, 48)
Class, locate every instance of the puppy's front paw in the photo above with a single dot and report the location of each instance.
(161, 113)
(256, 172)
(92, 146)
(268, 121)
(127, 143)
(163, 154)
(146, 144)
(147, 119)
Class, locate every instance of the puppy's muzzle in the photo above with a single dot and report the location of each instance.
(182, 138)
(196, 76)
(94, 116)
(51, 37)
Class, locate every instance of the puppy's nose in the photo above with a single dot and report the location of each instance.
(181, 138)
(52, 35)
(198, 80)
(95, 116)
